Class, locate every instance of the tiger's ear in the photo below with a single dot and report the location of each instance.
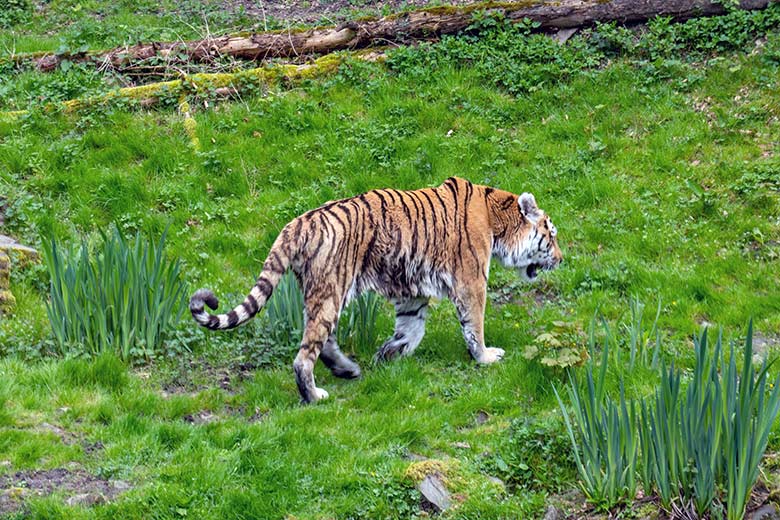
(528, 207)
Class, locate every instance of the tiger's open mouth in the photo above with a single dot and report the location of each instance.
(532, 270)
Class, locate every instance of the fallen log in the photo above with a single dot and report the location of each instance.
(398, 28)
(206, 85)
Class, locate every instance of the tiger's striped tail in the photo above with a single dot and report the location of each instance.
(275, 266)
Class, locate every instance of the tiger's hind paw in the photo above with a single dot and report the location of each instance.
(320, 394)
(491, 355)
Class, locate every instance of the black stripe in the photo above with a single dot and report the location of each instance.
(232, 318)
(464, 230)
(265, 287)
(392, 196)
(367, 206)
(455, 218)
(251, 304)
(404, 205)
(383, 202)
(368, 253)
(247, 308)
(330, 212)
(315, 252)
(415, 226)
(469, 193)
(349, 238)
(274, 263)
(424, 219)
(358, 224)
(412, 313)
(331, 229)
(298, 225)
(433, 210)
(444, 207)
(213, 322)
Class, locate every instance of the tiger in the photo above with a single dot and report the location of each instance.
(408, 246)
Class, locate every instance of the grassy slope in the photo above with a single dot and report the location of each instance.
(608, 156)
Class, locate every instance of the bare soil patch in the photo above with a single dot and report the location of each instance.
(197, 375)
(77, 485)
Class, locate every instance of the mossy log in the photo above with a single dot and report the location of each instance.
(398, 28)
(206, 85)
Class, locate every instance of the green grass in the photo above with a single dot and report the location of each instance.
(660, 188)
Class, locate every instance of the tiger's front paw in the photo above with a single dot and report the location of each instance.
(490, 355)
(320, 394)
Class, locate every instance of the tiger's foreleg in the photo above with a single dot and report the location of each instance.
(470, 304)
(409, 329)
(339, 364)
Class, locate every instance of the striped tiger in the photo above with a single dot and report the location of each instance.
(408, 246)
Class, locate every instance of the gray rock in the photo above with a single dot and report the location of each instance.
(553, 513)
(563, 35)
(762, 344)
(120, 485)
(414, 456)
(496, 480)
(84, 499)
(9, 244)
(434, 491)
(765, 512)
(7, 300)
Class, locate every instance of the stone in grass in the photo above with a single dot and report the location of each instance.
(7, 300)
(429, 476)
(497, 481)
(435, 492)
(8, 244)
(85, 499)
(553, 513)
(563, 35)
(765, 512)
(120, 485)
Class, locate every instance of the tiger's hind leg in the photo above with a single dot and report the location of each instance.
(409, 329)
(339, 364)
(319, 326)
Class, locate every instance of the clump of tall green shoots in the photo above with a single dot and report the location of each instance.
(642, 338)
(284, 311)
(120, 296)
(602, 434)
(357, 323)
(699, 446)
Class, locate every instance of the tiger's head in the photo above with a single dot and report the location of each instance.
(524, 237)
